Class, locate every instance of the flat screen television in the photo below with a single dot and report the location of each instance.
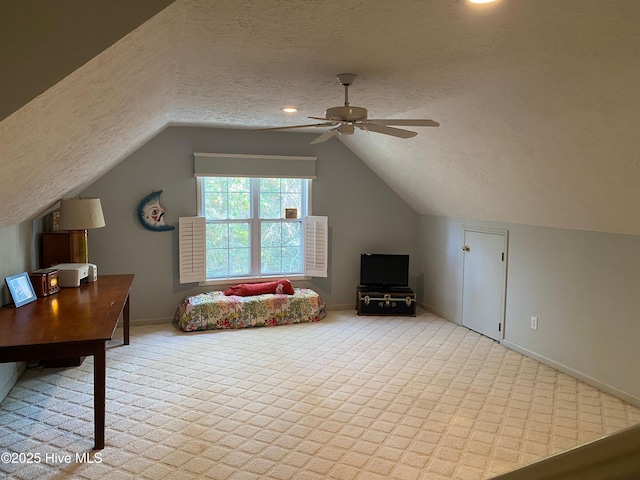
(384, 270)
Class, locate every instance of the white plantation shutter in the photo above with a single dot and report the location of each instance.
(192, 249)
(316, 245)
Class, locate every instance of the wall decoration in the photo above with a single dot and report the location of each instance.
(151, 213)
(21, 289)
(290, 213)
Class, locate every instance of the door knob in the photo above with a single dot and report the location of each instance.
(466, 248)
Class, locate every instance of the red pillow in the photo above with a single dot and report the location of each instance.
(248, 289)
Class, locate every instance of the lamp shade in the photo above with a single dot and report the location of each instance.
(80, 213)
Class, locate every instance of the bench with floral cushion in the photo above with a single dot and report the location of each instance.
(244, 306)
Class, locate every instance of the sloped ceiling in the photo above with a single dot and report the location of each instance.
(42, 42)
(537, 100)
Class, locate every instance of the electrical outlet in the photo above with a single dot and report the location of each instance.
(534, 323)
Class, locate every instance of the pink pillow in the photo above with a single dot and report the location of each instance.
(248, 289)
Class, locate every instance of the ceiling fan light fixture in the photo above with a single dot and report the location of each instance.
(346, 113)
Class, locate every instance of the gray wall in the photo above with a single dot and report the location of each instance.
(582, 286)
(16, 256)
(365, 215)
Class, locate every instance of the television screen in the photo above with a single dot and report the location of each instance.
(385, 270)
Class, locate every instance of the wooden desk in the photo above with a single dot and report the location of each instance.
(73, 322)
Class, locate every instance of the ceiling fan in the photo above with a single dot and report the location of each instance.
(344, 120)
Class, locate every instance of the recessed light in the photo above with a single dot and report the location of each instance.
(482, 1)
(290, 109)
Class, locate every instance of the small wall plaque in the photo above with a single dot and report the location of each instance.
(290, 213)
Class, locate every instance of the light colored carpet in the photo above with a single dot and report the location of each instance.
(346, 398)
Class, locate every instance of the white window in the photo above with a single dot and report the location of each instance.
(247, 232)
(253, 220)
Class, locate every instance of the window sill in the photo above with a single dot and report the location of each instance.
(235, 281)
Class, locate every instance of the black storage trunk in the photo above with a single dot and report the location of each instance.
(376, 301)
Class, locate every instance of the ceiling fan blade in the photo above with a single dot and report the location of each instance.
(328, 120)
(326, 136)
(295, 126)
(403, 122)
(396, 132)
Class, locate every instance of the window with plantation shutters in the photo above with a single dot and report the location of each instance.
(193, 251)
(255, 220)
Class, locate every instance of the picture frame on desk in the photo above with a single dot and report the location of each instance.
(21, 289)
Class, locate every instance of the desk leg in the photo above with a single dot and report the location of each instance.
(99, 390)
(125, 321)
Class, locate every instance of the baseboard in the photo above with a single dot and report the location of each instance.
(605, 387)
(437, 312)
(151, 321)
(341, 307)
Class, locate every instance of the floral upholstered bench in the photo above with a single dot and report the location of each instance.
(224, 310)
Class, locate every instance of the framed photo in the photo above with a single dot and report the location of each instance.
(21, 289)
(290, 213)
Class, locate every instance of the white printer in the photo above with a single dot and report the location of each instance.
(75, 274)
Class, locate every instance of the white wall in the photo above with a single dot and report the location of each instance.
(583, 287)
(16, 254)
(365, 215)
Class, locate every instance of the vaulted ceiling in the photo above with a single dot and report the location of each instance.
(537, 100)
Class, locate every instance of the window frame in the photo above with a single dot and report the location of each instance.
(255, 228)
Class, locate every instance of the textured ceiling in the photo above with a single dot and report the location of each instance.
(537, 100)
(42, 42)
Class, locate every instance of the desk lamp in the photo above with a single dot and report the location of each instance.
(76, 216)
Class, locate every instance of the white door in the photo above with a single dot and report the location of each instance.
(484, 281)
